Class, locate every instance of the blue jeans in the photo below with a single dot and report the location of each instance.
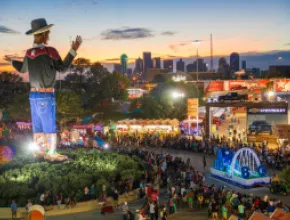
(43, 111)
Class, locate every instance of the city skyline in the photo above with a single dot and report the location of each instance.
(111, 28)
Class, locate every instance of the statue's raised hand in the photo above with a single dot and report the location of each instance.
(77, 43)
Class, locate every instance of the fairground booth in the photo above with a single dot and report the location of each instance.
(24, 125)
(147, 126)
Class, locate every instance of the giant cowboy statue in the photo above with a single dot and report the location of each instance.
(42, 63)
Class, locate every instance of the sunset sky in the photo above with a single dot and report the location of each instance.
(112, 27)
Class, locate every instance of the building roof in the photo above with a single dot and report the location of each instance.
(149, 122)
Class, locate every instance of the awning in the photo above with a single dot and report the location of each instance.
(219, 113)
(82, 126)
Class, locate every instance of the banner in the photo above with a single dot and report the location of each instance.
(257, 85)
(192, 107)
(215, 86)
(282, 85)
(272, 110)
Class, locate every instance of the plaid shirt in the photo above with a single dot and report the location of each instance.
(42, 63)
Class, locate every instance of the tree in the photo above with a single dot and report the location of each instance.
(97, 73)
(75, 77)
(68, 105)
(19, 108)
(161, 104)
(114, 86)
(81, 61)
(161, 78)
(285, 176)
(8, 77)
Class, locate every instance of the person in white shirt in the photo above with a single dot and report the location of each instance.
(172, 190)
(42, 198)
(152, 210)
(28, 206)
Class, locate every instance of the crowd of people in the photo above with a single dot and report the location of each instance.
(274, 159)
(187, 188)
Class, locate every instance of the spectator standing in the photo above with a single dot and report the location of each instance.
(152, 210)
(125, 211)
(241, 209)
(224, 212)
(59, 200)
(14, 209)
(42, 199)
(28, 206)
(214, 210)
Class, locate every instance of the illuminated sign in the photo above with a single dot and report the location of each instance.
(192, 107)
(282, 110)
(179, 78)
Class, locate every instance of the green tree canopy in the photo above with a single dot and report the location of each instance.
(9, 77)
(114, 86)
(160, 103)
(68, 105)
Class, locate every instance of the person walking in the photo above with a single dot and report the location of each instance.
(14, 209)
(152, 210)
(28, 205)
(204, 162)
(59, 200)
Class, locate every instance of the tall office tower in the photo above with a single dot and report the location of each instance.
(124, 63)
(234, 62)
(156, 62)
(138, 66)
(147, 61)
(244, 65)
(168, 64)
(180, 66)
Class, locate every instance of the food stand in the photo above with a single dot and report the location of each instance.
(84, 129)
(148, 126)
(24, 125)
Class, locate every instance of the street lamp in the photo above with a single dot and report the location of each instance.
(270, 95)
(196, 43)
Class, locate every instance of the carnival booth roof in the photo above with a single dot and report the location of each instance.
(148, 122)
(280, 214)
(259, 216)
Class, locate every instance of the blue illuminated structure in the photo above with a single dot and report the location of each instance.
(242, 168)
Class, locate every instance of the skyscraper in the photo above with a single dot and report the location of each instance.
(180, 67)
(138, 65)
(156, 62)
(123, 61)
(224, 68)
(129, 72)
(193, 66)
(244, 65)
(234, 62)
(117, 68)
(168, 64)
(147, 61)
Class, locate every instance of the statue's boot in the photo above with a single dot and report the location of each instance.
(50, 151)
(39, 140)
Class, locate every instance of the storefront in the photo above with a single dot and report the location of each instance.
(133, 126)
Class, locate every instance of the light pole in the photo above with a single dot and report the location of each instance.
(197, 43)
(270, 95)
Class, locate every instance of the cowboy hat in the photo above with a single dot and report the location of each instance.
(38, 26)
